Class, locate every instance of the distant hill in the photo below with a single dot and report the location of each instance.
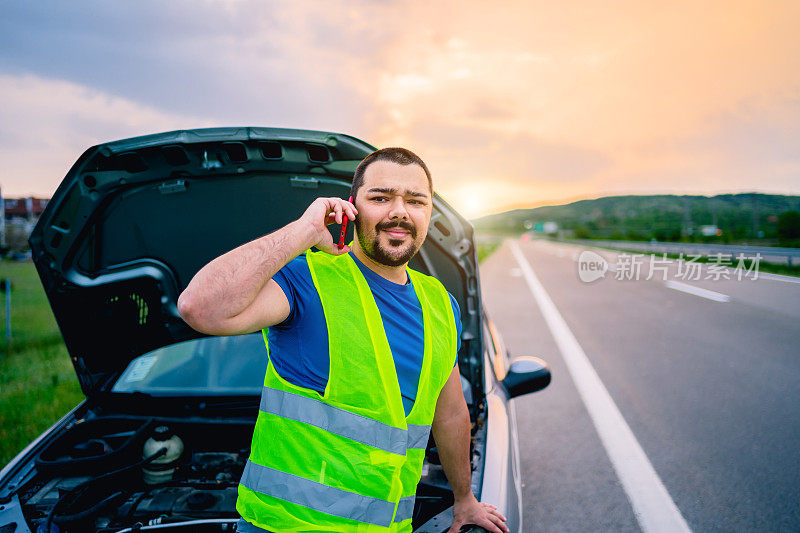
(663, 217)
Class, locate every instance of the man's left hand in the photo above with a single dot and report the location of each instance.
(468, 510)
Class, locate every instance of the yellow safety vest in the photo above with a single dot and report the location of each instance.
(349, 459)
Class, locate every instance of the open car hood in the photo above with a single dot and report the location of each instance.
(134, 220)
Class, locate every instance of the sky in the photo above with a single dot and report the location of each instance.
(511, 104)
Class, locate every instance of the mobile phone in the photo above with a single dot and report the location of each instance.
(344, 227)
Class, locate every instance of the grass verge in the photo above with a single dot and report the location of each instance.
(37, 381)
(485, 249)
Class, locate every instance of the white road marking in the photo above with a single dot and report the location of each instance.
(652, 505)
(697, 291)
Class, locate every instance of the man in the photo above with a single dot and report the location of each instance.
(361, 360)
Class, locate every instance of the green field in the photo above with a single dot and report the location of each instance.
(37, 381)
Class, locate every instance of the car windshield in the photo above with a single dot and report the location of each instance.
(231, 365)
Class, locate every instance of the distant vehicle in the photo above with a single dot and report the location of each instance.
(16, 255)
(126, 230)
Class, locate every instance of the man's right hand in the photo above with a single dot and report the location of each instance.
(235, 293)
(325, 211)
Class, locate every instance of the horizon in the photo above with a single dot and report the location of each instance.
(557, 203)
(568, 201)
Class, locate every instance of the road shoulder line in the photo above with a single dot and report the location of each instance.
(652, 505)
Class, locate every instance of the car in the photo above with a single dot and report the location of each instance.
(126, 230)
(16, 255)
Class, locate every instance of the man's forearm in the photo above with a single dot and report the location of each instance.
(452, 438)
(227, 285)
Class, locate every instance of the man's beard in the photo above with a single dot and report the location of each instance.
(375, 251)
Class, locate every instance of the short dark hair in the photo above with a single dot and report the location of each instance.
(401, 156)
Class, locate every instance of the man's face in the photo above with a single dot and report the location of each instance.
(394, 211)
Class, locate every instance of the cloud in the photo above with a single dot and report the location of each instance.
(147, 67)
(46, 124)
(242, 63)
(483, 153)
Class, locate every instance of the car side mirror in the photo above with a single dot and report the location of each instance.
(526, 374)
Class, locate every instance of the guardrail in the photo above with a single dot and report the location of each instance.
(772, 254)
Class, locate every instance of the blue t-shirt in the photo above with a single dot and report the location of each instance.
(298, 346)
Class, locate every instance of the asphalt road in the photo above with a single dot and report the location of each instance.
(708, 388)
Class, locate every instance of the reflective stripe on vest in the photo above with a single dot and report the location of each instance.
(343, 423)
(418, 436)
(405, 508)
(317, 496)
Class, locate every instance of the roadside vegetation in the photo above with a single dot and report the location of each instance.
(37, 381)
(748, 218)
(485, 249)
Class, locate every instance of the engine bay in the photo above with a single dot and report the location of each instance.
(98, 474)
